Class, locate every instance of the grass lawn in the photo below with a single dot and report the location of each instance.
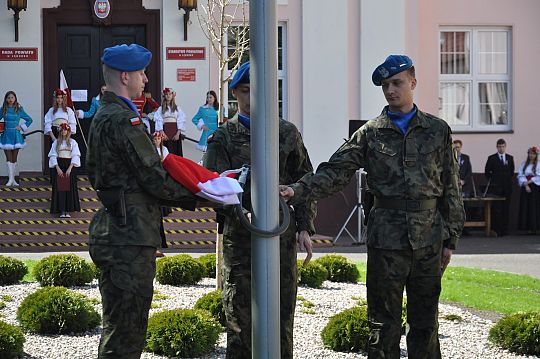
(30, 263)
(486, 289)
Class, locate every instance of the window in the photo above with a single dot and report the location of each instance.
(232, 104)
(474, 82)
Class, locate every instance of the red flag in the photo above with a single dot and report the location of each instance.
(64, 86)
(203, 182)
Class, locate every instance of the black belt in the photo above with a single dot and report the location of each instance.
(140, 198)
(409, 205)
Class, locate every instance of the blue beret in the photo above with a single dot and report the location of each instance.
(394, 64)
(241, 76)
(126, 58)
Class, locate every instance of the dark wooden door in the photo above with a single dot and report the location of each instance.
(79, 55)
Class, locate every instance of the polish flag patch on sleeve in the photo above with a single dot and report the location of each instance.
(135, 121)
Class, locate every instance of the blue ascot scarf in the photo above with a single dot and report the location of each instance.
(244, 120)
(130, 104)
(402, 120)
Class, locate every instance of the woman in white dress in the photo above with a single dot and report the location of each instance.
(170, 122)
(63, 157)
(59, 113)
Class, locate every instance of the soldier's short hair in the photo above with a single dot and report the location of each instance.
(412, 72)
(110, 75)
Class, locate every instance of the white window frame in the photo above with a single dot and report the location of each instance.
(281, 74)
(474, 78)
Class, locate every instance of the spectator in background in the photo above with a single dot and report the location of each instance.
(93, 106)
(170, 122)
(499, 171)
(58, 114)
(146, 105)
(15, 121)
(63, 156)
(529, 199)
(465, 171)
(206, 119)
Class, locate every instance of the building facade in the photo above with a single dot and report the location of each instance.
(476, 63)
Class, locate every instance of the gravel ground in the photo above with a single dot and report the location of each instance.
(459, 340)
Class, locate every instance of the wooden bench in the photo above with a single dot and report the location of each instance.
(486, 223)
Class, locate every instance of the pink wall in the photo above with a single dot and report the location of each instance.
(424, 19)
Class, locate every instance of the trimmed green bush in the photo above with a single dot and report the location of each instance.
(209, 262)
(518, 333)
(12, 270)
(57, 310)
(339, 268)
(95, 270)
(66, 270)
(313, 274)
(11, 341)
(212, 302)
(185, 333)
(181, 269)
(347, 331)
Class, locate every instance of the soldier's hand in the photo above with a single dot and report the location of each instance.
(445, 258)
(286, 192)
(304, 242)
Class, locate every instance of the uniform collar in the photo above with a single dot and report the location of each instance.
(111, 97)
(420, 120)
(236, 126)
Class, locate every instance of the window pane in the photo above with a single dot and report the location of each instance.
(280, 98)
(455, 52)
(493, 52)
(455, 108)
(280, 47)
(493, 101)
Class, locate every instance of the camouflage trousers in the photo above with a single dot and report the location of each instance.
(237, 290)
(126, 286)
(388, 273)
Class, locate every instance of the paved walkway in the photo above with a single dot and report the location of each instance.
(516, 254)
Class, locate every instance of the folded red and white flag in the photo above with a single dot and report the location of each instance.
(204, 183)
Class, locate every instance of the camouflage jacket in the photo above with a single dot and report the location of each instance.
(121, 155)
(418, 165)
(229, 148)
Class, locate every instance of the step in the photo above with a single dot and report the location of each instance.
(26, 223)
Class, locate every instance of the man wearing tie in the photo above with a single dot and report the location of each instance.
(465, 171)
(500, 172)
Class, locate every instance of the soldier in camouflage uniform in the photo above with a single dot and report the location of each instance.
(229, 148)
(417, 216)
(125, 170)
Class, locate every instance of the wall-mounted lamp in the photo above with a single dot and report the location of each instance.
(16, 6)
(187, 6)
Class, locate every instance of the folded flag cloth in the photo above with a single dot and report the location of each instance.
(204, 183)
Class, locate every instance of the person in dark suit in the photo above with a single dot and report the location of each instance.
(500, 172)
(465, 171)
